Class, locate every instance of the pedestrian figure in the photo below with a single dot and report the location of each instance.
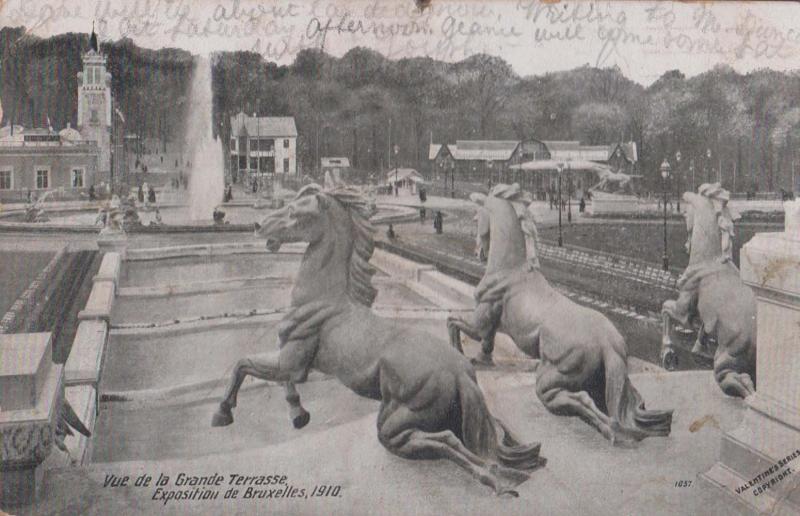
(140, 194)
(92, 196)
(582, 205)
(396, 190)
(390, 233)
(422, 215)
(438, 222)
(550, 198)
(151, 195)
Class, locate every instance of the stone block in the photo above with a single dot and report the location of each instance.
(86, 357)
(110, 268)
(100, 302)
(27, 432)
(25, 359)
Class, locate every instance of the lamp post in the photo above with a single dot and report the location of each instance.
(665, 170)
(691, 169)
(560, 236)
(708, 165)
(452, 179)
(678, 180)
(396, 150)
(569, 193)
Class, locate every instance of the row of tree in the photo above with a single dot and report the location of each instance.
(740, 128)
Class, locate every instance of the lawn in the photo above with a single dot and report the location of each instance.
(17, 270)
(644, 241)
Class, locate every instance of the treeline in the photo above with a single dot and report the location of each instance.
(731, 125)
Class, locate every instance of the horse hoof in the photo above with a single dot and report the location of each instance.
(222, 417)
(669, 359)
(482, 359)
(301, 420)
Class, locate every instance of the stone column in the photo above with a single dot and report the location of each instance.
(759, 461)
(31, 393)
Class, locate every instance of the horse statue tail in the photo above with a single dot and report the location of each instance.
(625, 404)
(487, 436)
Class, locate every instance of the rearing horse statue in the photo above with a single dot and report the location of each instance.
(431, 405)
(583, 368)
(712, 296)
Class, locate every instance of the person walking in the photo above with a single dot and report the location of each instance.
(422, 215)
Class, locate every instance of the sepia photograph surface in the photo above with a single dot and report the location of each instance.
(429, 257)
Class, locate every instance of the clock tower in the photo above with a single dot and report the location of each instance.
(94, 106)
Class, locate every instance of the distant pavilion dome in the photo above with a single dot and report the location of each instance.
(69, 134)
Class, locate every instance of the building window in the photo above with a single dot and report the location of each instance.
(77, 178)
(254, 145)
(254, 163)
(233, 144)
(5, 180)
(242, 162)
(286, 165)
(42, 179)
(286, 144)
(94, 117)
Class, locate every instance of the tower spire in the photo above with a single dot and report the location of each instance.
(93, 40)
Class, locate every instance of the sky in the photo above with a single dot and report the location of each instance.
(644, 39)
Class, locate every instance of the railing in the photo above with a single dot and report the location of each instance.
(68, 143)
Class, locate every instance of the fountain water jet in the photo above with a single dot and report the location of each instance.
(207, 175)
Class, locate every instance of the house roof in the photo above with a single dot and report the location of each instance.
(335, 162)
(573, 150)
(433, 150)
(268, 126)
(403, 173)
(482, 150)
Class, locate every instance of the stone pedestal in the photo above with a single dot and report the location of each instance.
(115, 241)
(608, 204)
(31, 392)
(759, 463)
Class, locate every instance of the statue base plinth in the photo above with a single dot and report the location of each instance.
(112, 241)
(607, 204)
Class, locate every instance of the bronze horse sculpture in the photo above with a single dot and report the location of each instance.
(583, 369)
(431, 405)
(713, 298)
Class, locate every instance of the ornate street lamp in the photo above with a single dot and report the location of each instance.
(560, 236)
(665, 170)
(678, 192)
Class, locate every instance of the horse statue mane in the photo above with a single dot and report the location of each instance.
(713, 195)
(360, 272)
(514, 193)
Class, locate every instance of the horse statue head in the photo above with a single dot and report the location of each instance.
(335, 224)
(504, 217)
(709, 222)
